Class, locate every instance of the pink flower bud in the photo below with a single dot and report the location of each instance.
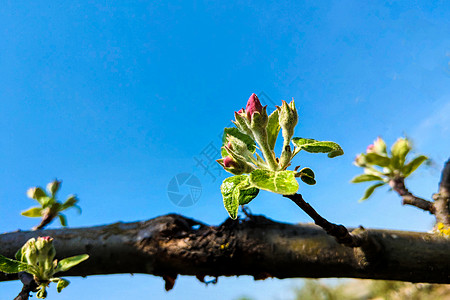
(228, 162)
(370, 148)
(241, 111)
(46, 238)
(253, 105)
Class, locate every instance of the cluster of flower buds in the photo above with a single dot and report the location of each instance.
(253, 122)
(40, 253)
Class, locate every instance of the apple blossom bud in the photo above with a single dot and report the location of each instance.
(228, 162)
(379, 146)
(253, 105)
(54, 186)
(360, 160)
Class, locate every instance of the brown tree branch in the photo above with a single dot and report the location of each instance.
(29, 285)
(172, 244)
(339, 232)
(442, 198)
(398, 185)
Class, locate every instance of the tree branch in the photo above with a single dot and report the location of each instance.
(172, 244)
(398, 185)
(29, 285)
(339, 232)
(442, 198)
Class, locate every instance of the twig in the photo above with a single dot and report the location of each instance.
(339, 232)
(47, 219)
(398, 185)
(29, 285)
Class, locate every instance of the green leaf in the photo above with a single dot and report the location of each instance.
(227, 188)
(370, 191)
(36, 193)
(246, 192)
(280, 182)
(410, 167)
(251, 145)
(42, 293)
(307, 176)
(273, 128)
(18, 255)
(62, 219)
(62, 283)
(71, 201)
(47, 201)
(399, 151)
(237, 190)
(34, 212)
(376, 159)
(314, 146)
(67, 263)
(10, 266)
(365, 177)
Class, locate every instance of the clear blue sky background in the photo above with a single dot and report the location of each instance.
(116, 98)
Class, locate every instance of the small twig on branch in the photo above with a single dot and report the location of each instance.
(29, 285)
(339, 232)
(47, 219)
(398, 185)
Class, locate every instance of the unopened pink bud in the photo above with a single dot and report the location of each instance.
(228, 162)
(370, 148)
(253, 105)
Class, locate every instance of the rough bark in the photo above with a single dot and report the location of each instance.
(172, 244)
(442, 198)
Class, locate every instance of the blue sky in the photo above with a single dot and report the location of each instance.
(117, 98)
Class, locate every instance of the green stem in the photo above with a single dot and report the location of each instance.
(261, 139)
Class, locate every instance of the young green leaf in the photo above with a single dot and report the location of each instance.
(307, 176)
(8, 265)
(314, 146)
(251, 145)
(67, 263)
(36, 193)
(280, 182)
(70, 202)
(237, 190)
(42, 293)
(19, 255)
(370, 190)
(62, 219)
(34, 212)
(410, 167)
(245, 192)
(62, 283)
(376, 159)
(273, 129)
(227, 188)
(365, 177)
(399, 151)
